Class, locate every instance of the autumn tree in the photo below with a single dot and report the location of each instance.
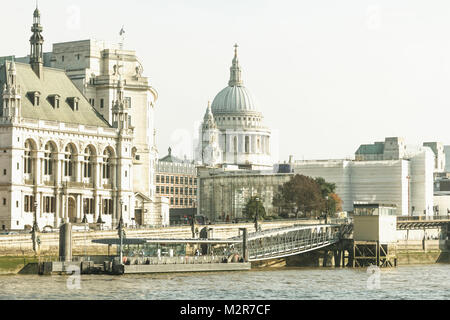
(334, 203)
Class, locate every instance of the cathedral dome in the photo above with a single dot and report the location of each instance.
(235, 98)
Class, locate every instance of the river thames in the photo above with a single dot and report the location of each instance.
(404, 282)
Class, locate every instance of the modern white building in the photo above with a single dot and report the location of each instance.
(232, 131)
(77, 138)
(391, 174)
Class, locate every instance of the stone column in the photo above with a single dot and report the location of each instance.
(41, 163)
(57, 173)
(253, 145)
(66, 207)
(79, 205)
(113, 174)
(115, 213)
(36, 169)
(58, 211)
(78, 168)
(97, 178)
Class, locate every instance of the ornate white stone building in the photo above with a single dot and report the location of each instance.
(77, 139)
(232, 131)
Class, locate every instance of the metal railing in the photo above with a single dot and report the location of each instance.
(422, 218)
(176, 260)
(290, 243)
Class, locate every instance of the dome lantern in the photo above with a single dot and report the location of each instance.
(235, 98)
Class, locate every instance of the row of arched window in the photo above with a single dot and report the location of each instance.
(70, 153)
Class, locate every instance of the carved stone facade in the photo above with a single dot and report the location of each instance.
(77, 139)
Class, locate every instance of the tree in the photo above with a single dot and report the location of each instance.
(334, 203)
(279, 202)
(254, 206)
(303, 193)
(326, 188)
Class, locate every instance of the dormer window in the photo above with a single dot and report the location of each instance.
(73, 103)
(54, 100)
(34, 97)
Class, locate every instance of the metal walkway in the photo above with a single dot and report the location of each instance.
(422, 222)
(289, 241)
(261, 245)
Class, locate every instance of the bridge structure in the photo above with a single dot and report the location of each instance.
(288, 241)
(257, 246)
(422, 222)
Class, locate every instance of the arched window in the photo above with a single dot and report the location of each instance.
(106, 170)
(68, 161)
(27, 160)
(48, 159)
(87, 163)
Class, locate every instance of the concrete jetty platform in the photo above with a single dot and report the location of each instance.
(89, 267)
(169, 268)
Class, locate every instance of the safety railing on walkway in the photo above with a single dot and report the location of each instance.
(292, 242)
(422, 218)
(176, 260)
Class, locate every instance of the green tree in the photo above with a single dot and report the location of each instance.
(254, 206)
(279, 202)
(304, 194)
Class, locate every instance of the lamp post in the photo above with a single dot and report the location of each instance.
(35, 224)
(85, 221)
(193, 219)
(326, 209)
(120, 228)
(256, 214)
(35, 229)
(99, 220)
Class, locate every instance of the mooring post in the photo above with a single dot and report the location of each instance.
(65, 242)
(325, 258)
(354, 255)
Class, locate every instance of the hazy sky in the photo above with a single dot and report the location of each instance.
(327, 75)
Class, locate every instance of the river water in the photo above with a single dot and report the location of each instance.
(404, 282)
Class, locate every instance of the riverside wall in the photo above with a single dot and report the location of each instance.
(423, 252)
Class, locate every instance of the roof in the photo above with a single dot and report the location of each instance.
(116, 241)
(55, 81)
(234, 99)
(171, 158)
(376, 148)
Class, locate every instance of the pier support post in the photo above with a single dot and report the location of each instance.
(325, 258)
(337, 256)
(378, 253)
